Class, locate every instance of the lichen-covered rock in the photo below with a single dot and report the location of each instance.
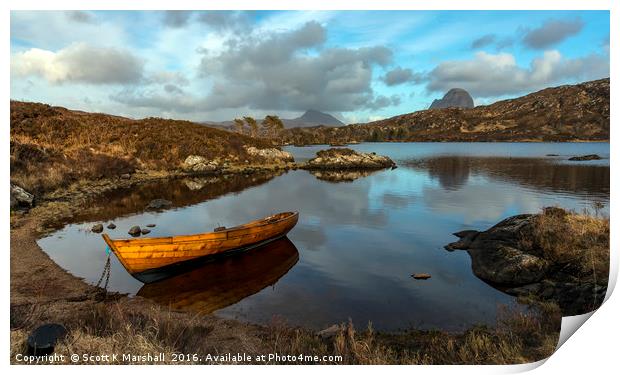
(196, 163)
(345, 158)
(271, 154)
(20, 197)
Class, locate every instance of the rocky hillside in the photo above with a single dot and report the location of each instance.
(53, 146)
(566, 113)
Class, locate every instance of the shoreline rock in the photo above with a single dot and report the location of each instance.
(345, 158)
(21, 198)
(501, 257)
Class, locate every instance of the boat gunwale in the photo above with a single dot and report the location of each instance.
(193, 237)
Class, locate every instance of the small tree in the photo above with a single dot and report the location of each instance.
(252, 124)
(239, 125)
(272, 125)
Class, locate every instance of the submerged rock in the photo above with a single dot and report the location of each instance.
(145, 231)
(97, 228)
(345, 158)
(135, 231)
(157, 204)
(585, 157)
(150, 225)
(20, 197)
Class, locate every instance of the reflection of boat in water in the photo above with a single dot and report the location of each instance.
(150, 259)
(218, 284)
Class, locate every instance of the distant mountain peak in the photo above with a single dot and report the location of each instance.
(314, 117)
(456, 97)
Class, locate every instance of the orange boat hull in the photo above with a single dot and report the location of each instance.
(144, 256)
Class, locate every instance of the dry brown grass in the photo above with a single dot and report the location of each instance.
(51, 146)
(580, 242)
(521, 336)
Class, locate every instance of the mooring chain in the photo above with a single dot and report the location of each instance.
(106, 273)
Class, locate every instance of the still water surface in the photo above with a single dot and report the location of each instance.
(357, 242)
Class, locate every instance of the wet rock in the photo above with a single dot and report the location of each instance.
(329, 332)
(345, 158)
(421, 276)
(145, 231)
(466, 238)
(196, 163)
(150, 225)
(111, 226)
(97, 228)
(585, 157)
(20, 197)
(271, 154)
(135, 230)
(158, 204)
(44, 338)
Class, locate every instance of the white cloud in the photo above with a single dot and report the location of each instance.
(491, 75)
(79, 62)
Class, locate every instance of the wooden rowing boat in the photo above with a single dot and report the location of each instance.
(150, 259)
(215, 285)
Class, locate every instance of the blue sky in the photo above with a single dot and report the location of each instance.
(357, 65)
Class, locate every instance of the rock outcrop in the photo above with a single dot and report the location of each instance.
(196, 163)
(506, 256)
(271, 154)
(345, 158)
(455, 98)
(20, 198)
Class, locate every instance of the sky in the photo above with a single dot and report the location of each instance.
(356, 65)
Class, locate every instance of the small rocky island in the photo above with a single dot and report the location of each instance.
(556, 255)
(344, 158)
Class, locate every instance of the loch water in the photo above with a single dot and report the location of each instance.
(359, 238)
